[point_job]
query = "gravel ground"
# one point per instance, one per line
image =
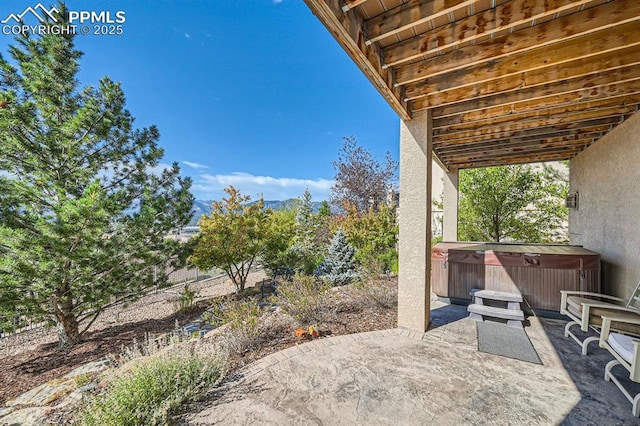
(31, 358)
(153, 306)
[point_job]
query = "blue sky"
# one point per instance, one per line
(254, 93)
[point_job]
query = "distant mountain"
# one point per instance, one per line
(200, 207)
(290, 203)
(204, 207)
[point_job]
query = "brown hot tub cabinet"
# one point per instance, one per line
(538, 272)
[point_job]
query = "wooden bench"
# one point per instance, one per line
(512, 313)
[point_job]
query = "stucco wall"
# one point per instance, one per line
(414, 218)
(607, 177)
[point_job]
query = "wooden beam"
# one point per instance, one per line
(525, 159)
(479, 27)
(347, 30)
(439, 162)
(350, 4)
(515, 125)
(409, 15)
(594, 133)
(514, 104)
(491, 155)
(589, 126)
(615, 76)
(508, 147)
(506, 113)
(459, 87)
(537, 57)
(478, 119)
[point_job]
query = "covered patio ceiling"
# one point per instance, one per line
(507, 81)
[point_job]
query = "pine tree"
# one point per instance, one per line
(340, 265)
(305, 222)
(304, 247)
(84, 211)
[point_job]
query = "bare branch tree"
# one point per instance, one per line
(360, 179)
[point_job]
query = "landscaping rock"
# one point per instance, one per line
(206, 328)
(5, 411)
(192, 327)
(91, 367)
(74, 398)
(26, 416)
(217, 331)
(45, 393)
(86, 388)
(37, 400)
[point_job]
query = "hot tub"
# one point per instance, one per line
(537, 271)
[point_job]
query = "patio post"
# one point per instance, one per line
(450, 211)
(414, 281)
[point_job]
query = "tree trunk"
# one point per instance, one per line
(68, 335)
(66, 325)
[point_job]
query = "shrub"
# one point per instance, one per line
(184, 302)
(155, 387)
(244, 321)
(378, 286)
(148, 347)
(382, 292)
(384, 263)
(339, 266)
(373, 233)
(305, 298)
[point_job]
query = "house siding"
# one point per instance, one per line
(607, 177)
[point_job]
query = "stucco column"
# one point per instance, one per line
(450, 211)
(414, 280)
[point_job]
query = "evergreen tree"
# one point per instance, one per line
(323, 229)
(84, 210)
(325, 210)
(374, 235)
(340, 264)
(304, 247)
(305, 222)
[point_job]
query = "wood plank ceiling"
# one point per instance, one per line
(507, 81)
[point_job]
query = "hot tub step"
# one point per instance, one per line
(497, 295)
(492, 311)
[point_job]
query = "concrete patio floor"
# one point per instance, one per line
(394, 377)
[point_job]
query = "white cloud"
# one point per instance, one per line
(157, 170)
(195, 165)
(277, 1)
(207, 186)
(187, 35)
